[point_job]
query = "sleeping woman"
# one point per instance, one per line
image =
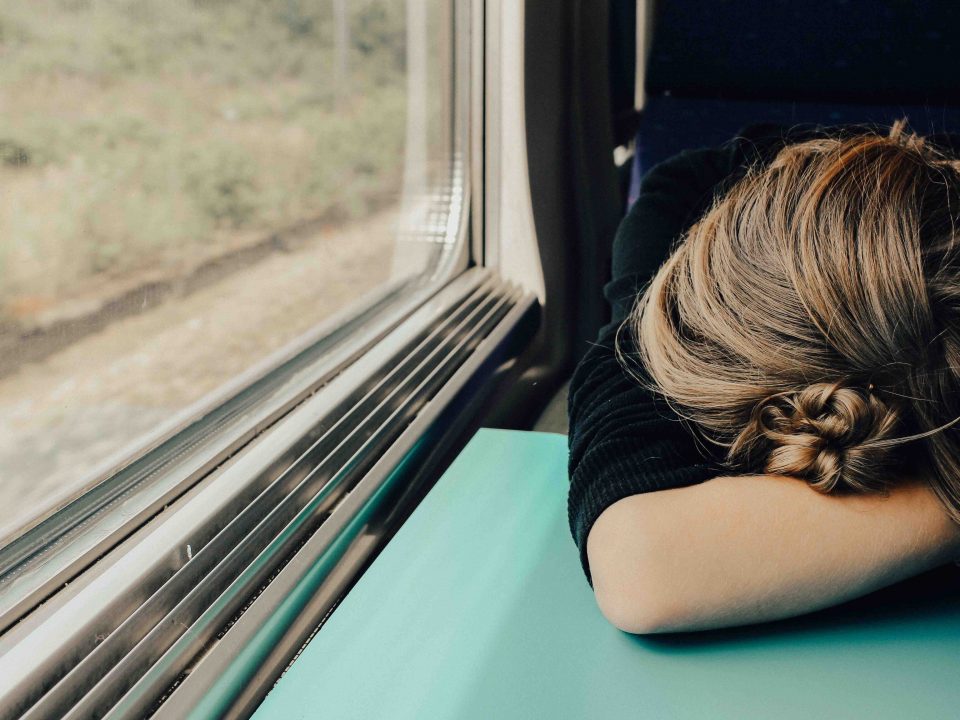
(770, 424)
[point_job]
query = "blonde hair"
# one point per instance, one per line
(809, 322)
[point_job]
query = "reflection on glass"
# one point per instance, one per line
(188, 185)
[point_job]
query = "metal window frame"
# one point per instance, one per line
(233, 680)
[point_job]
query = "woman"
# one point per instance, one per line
(766, 427)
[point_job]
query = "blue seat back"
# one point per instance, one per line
(717, 66)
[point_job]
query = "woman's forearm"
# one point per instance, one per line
(737, 550)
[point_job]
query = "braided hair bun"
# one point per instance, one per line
(834, 436)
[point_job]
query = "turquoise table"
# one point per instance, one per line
(477, 608)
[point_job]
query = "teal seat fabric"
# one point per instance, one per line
(477, 608)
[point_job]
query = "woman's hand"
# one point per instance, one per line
(747, 549)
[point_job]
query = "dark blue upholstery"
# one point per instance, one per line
(716, 66)
(863, 51)
(669, 125)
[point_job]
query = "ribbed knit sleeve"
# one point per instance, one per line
(625, 440)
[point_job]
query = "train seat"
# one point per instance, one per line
(669, 124)
(715, 67)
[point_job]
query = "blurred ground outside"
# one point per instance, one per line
(139, 134)
(62, 415)
(187, 185)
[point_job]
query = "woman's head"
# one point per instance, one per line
(810, 321)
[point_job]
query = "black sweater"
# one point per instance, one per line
(625, 440)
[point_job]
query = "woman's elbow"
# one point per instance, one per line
(632, 586)
(639, 614)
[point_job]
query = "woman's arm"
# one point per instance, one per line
(747, 549)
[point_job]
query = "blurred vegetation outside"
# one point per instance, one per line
(142, 135)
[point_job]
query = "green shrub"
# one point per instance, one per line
(150, 131)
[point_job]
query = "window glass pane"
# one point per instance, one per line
(188, 185)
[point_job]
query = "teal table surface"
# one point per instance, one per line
(478, 608)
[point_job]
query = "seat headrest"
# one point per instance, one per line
(867, 51)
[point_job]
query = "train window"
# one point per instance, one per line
(190, 187)
(247, 312)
